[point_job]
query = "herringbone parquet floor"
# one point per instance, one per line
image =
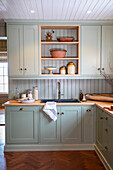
(53, 160)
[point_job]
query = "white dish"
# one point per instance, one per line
(26, 101)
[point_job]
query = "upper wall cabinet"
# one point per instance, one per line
(90, 50)
(107, 49)
(23, 50)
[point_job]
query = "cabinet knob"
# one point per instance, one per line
(106, 130)
(102, 68)
(106, 118)
(88, 110)
(101, 118)
(21, 108)
(106, 147)
(62, 113)
(98, 69)
(25, 68)
(20, 68)
(57, 113)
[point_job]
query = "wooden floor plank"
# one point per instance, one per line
(53, 160)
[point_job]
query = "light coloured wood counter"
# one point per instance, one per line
(38, 103)
(88, 102)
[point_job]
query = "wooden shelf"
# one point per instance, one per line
(71, 27)
(59, 43)
(59, 58)
(58, 74)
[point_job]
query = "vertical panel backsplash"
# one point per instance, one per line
(69, 88)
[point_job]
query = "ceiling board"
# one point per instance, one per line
(57, 9)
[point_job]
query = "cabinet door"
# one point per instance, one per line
(107, 49)
(90, 50)
(15, 50)
(88, 124)
(49, 130)
(100, 130)
(109, 146)
(30, 50)
(70, 124)
(22, 125)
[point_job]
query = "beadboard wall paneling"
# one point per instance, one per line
(48, 89)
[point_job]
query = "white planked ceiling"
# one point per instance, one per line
(57, 9)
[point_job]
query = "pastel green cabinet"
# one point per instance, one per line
(23, 50)
(71, 124)
(67, 128)
(90, 62)
(15, 50)
(100, 129)
(49, 130)
(104, 135)
(22, 124)
(88, 124)
(107, 49)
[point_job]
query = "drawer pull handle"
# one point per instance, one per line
(102, 68)
(21, 108)
(88, 110)
(106, 130)
(25, 69)
(101, 118)
(58, 113)
(106, 147)
(106, 118)
(98, 68)
(20, 68)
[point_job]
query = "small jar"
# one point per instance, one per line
(23, 95)
(63, 70)
(112, 107)
(30, 94)
(35, 93)
(71, 68)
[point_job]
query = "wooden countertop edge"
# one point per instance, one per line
(99, 104)
(38, 103)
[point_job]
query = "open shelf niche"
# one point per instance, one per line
(72, 55)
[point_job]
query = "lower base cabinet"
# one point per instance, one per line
(104, 135)
(22, 125)
(74, 125)
(30, 125)
(88, 124)
(67, 128)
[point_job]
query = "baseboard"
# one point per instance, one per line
(39, 147)
(102, 158)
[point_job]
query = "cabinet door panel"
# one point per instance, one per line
(71, 124)
(107, 49)
(49, 130)
(109, 144)
(90, 50)
(88, 124)
(15, 50)
(22, 125)
(31, 50)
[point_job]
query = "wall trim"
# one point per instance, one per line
(102, 158)
(40, 147)
(36, 21)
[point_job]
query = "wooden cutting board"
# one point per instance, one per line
(100, 97)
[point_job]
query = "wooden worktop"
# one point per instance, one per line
(88, 102)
